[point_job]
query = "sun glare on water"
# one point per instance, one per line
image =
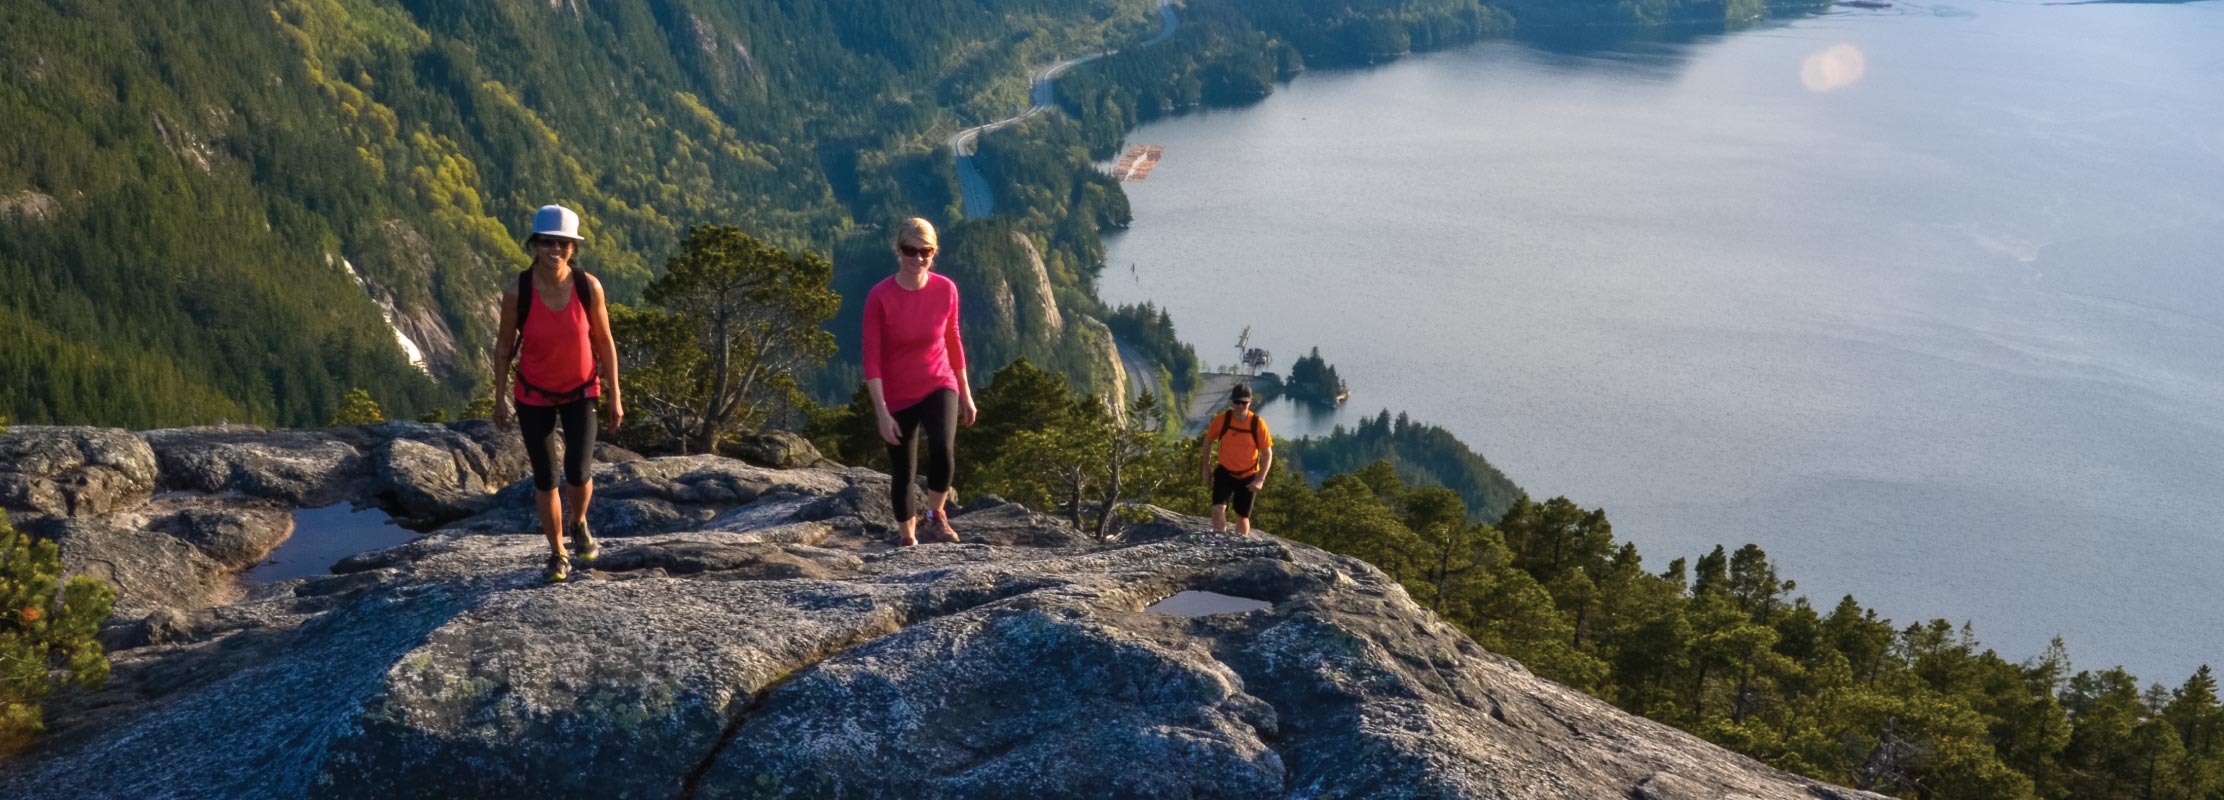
(1835, 67)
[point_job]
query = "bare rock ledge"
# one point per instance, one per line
(748, 634)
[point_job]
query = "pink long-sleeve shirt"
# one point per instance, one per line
(911, 340)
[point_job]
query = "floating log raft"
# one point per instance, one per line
(1136, 164)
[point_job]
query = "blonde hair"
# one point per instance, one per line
(916, 229)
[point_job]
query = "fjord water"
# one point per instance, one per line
(1927, 302)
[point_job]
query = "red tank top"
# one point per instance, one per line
(554, 353)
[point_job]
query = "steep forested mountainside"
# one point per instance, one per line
(196, 199)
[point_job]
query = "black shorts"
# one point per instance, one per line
(1227, 487)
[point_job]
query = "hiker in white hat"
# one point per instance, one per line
(555, 324)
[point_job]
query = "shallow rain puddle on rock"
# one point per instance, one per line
(1198, 604)
(323, 536)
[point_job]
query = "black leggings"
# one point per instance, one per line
(938, 414)
(539, 425)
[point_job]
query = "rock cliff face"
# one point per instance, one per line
(749, 633)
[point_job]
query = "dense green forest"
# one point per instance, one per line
(189, 192)
(1150, 330)
(1426, 455)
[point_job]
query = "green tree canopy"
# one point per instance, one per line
(736, 321)
(47, 631)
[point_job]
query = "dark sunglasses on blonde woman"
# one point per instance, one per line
(916, 252)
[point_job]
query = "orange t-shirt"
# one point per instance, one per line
(1239, 452)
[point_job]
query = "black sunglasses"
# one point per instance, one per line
(915, 252)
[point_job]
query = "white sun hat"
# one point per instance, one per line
(557, 221)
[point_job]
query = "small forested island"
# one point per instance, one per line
(1312, 380)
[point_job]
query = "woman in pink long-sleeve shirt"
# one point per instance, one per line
(915, 369)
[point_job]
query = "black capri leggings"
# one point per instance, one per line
(938, 414)
(539, 426)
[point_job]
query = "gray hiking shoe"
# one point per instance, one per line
(559, 568)
(583, 545)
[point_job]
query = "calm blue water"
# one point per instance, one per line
(1200, 604)
(323, 536)
(1926, 302)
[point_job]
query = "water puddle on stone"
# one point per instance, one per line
(1198, 604)
(323, 536)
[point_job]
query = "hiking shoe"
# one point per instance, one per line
(583, 545)
(559, 568)
(938, 526)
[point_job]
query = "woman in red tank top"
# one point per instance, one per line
(555, 324)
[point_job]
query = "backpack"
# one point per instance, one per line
(581, 292)
(1228, 425)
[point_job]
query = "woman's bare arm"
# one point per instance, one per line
(606, 352)
(505, 349)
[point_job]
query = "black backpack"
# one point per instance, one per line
(581, 292)
(1228, 425)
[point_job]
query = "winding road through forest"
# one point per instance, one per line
(979, 200)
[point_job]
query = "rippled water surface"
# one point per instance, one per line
(1926, 301)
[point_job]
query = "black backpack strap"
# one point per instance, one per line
(581, 293)
(1228, 425)
(582, 288)
(524, 303)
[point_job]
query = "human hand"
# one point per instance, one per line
(967, 412)
(617, 415)
(1258, 483)
(501, 414)
(889, 432)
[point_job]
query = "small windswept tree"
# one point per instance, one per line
(46, 632)
(357, 408)
(1139, 458)
(735, 322)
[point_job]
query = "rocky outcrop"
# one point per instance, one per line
(748, 632)
(779, 450)
(1115, 369)
(228, 492)
(73, 471)
(1045, 307)
(305, 468)
(27, 204)
(396, 269)
(424, 473)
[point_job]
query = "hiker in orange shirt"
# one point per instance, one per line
(1246, 453)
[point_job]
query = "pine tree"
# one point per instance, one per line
(357, 408)
(738, 320)
(46, 632)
